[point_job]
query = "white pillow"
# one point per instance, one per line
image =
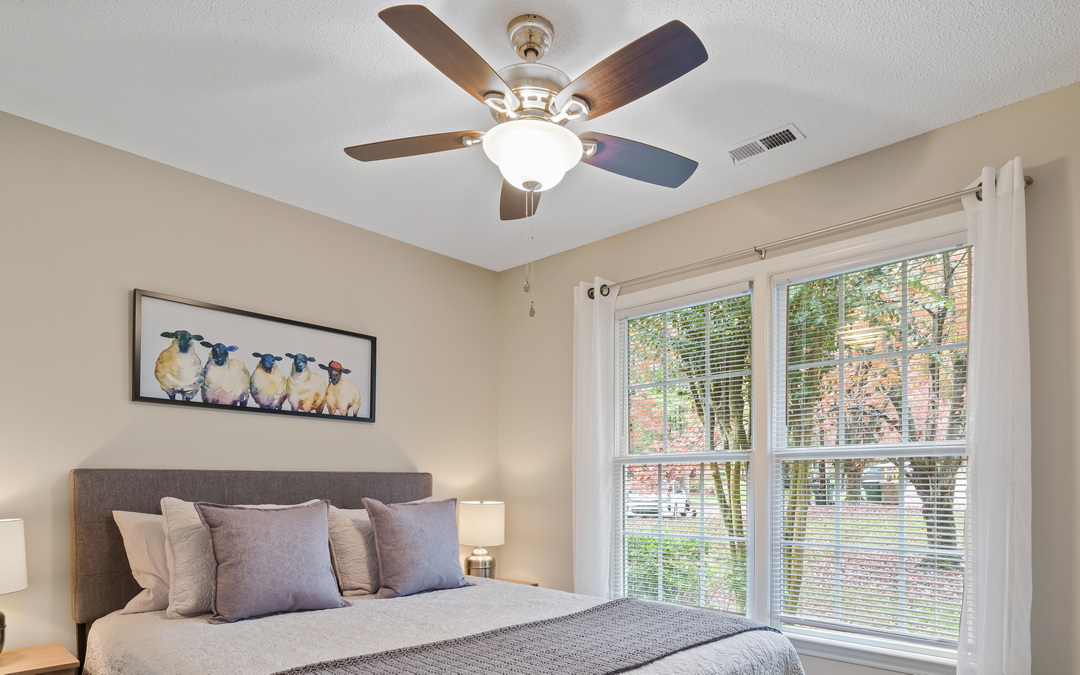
(144, 543)
(189, 555)
(352, 547)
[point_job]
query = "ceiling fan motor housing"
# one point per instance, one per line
(530, 36)
(536, 84)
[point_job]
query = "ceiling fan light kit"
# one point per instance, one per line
(531, 102)
(532, 152)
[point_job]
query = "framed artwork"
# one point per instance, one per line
(198, 354)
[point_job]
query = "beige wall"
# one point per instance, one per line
(535, 354)
(84, 224)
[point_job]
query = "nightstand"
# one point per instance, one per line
(37, 660)
(516, 581)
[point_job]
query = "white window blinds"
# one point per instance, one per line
(681, 471)
(869, 449)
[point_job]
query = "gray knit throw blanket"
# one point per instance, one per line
(610, 638)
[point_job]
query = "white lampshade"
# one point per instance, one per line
(480, 523)
(532, 152)
(12, 556)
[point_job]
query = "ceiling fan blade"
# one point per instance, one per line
(638, 161)
(445, 50)
(414, 145)
(515, 203)
(641, 67)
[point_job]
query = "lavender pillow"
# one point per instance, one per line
(417, 546)
(270, 560)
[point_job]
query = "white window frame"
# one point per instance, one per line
(907, 241)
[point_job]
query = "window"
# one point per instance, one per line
(682, 524)
(841, 514)
(869, 453)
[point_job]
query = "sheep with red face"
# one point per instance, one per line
(342, 396)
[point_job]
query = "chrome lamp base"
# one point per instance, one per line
(480, 564)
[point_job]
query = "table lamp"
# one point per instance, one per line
(480, 524)
(12, 562)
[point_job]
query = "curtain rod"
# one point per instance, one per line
(763, 249)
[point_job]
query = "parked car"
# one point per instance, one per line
(673, 503)
(879, 483)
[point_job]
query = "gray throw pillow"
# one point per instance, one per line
(270, 560)
(417, 546)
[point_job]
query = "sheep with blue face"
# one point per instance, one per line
(342, 396)
(178, 368)
(269, 388)
(225, 380)
(307, 391)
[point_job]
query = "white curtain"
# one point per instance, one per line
(995, 635)
(594, 435)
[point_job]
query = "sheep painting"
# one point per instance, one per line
(269, 388)
(225, 381)
(342, 396)
(173, 364)
(307, 391)
(178, 368)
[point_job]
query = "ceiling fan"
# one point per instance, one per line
(532, 102)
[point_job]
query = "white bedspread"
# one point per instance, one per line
(150, 644)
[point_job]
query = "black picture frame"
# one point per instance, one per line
(192, 353)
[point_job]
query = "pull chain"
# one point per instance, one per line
(530, 268)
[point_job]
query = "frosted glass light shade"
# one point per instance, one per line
(481, 523)
(12, 556)
(532, 152)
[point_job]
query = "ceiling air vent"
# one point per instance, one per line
(773, 139)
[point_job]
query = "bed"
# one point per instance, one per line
(429, 626)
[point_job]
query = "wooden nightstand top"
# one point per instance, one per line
(51, 658)
(516, 581)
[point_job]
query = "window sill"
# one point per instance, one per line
(872, 656)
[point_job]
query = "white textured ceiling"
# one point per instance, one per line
(264, 94)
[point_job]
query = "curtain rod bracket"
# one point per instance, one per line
(761, 252)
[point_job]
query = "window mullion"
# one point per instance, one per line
(759, 563)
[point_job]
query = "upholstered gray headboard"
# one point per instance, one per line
(101, 580)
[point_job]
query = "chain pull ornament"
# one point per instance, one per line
(530, 191)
